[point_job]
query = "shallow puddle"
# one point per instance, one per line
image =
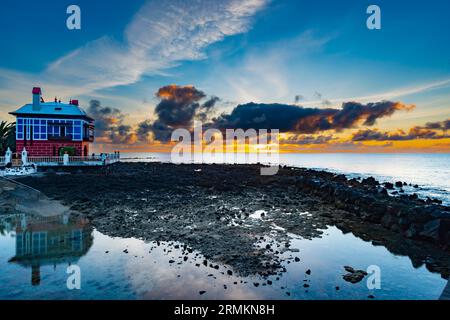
(35, 252)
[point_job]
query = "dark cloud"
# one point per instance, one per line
(178, 108)
(178, 105)
(443, 125)
(290, 118)
(109, 123)
(307, 139)
(143, 130)
(413, 134)
(206, 109)
(429, 131)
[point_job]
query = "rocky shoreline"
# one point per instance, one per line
(233, 215)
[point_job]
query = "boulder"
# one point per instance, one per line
(353, 276)
(389, 185)
(370, 181)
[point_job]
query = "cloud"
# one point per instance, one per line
(109, 123)
(264, 73)
(180, 105)
(301, 139)
(418, 132)
(290, 118)
(389, 95)
(161, 35)
(178, 108)
(443, 125)
(143, 130)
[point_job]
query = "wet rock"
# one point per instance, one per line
(388, 185)
(413, 196)
(349, 269)
(399, 184)
(353, 276)
(369, 181)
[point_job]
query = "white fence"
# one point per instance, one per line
(95, 160)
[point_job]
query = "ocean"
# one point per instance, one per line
(431, 172)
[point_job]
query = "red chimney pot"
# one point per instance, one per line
(36, 90)
(74, 102)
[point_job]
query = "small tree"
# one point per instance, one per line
(71, 151)
(7, 136)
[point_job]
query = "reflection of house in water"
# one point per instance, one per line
(50, 241)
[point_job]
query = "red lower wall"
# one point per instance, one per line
(45, 148)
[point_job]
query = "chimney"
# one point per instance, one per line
(74, 102)
(36, 98)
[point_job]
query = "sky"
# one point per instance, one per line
(310, 68)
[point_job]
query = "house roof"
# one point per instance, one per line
(53, 109)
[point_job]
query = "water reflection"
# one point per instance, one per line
(128, 268)
(446, 292)
(49, 240)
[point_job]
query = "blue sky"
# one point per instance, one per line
(240, 51)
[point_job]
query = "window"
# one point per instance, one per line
(77, 133)
(77, 240)
(39, 129)
(39, 242)
(19, 129)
